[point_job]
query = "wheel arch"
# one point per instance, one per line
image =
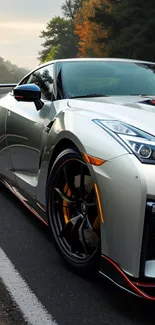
(59, 147)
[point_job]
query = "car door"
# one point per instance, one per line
(25, 130)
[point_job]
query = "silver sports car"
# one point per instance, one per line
(77, 147)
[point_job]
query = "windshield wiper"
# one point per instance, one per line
(89, 96)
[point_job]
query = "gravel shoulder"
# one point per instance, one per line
(9, 313)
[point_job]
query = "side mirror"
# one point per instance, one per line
(29, 93)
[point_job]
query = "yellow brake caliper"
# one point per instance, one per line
(66, 211)
(96, 224)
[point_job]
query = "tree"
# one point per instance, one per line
(131, 25)
(10, 73)
(60, 40)
(54, 52)
(70, 8)
(89, 30)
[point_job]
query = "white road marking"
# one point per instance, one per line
(32, 309)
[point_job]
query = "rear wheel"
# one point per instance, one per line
(73, 213)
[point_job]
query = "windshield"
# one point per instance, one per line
(107, 78)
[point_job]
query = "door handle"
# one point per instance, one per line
(9, 113)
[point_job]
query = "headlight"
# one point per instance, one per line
(141, 143)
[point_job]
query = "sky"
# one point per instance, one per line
(20, 25)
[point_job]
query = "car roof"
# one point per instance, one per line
(94, 59)
(85, 60)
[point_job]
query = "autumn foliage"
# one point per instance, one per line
(91, 34)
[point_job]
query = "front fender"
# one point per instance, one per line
(88, 137)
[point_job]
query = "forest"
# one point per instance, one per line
(101, 28)
(10, 73)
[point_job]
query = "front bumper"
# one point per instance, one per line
(143, 289)
(128, 231)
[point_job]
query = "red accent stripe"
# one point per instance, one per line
(34, 212)
(141, 284)
(130, 283)
(27, 206)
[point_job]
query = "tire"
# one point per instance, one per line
(73, 213)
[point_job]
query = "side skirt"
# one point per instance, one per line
(35, 207)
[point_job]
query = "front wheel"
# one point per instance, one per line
(73, 213)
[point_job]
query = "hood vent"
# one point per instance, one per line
(148, 102)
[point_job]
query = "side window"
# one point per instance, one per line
(24, 81)
(43, 77)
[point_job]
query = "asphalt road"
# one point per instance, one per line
(67, 297)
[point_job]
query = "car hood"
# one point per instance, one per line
(138, 111)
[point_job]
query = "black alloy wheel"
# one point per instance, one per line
(73, 213)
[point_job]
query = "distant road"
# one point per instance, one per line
(4, 91)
